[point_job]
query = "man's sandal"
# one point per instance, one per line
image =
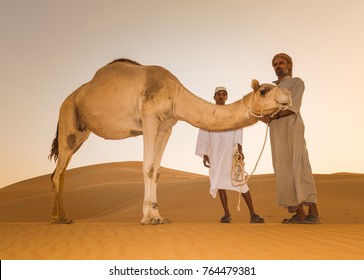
(256, 219)
(225, 219)
(313, 220)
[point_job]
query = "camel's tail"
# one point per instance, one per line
(54, 148)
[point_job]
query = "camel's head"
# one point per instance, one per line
(267, 99)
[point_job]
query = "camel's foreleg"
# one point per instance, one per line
(161, 143)
(154, 144)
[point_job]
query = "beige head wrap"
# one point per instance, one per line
(288, 59)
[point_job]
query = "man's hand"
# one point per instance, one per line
(240, 149)
(206, 161)
(266, 119)
(280, 114)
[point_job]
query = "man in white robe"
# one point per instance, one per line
(217, 148)
(295, 185)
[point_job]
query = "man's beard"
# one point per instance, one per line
(280, 72)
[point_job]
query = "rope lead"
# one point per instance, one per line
(237, 168)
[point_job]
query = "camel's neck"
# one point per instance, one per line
(205, 115)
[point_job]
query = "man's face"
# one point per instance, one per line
(220, 97)
(280, 66)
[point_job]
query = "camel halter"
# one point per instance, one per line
(261, 110)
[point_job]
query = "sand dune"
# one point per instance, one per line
(105, 201)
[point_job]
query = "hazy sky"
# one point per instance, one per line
(49, 48)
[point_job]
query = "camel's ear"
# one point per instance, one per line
(255, 85)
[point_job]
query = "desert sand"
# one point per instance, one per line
(105, 202)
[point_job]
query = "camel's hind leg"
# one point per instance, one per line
(70, 138)
(58, 211)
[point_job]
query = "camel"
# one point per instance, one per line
(126, 99)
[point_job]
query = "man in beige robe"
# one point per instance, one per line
(295, 185)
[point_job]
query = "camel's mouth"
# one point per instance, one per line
(283, 106)
(284, 102)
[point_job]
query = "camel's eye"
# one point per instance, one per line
(263, 92)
